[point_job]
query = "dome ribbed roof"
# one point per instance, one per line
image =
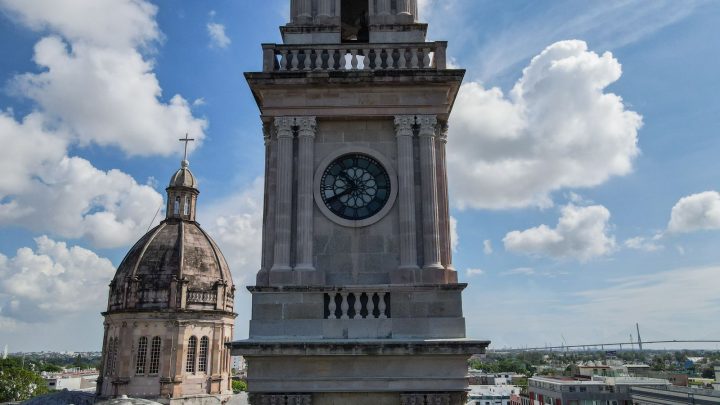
(175, 265)
(183, 177)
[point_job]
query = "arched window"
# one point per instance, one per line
(155, 355)
(191, 354)
(112, 355)
(176, 207)
(186, 208)
(141, 356)
(109, 356)
(203, 356)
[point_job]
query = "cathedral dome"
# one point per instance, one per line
(176, 265)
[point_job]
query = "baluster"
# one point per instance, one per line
(426, 58)
(283, 60)
(371, 304)
(306, 62)
(378, 58)
(357, 306)
(295, 59)
(332, 306)
(343, 61)
(390, 61)
(381, 305)
(413, 58)
(366, 59)
(318, 59)
(353, 59)
(331, 59)
(344, 306)
(402, 61)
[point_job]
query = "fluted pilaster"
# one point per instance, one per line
(406, 191)
(306, 139)
(268, 212)
(443, 201)
(283, 194)
(431, 225)
(383, 7)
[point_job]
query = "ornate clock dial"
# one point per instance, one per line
(355, 187)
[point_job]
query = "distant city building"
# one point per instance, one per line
(575, 391)
(590, 370)
(638, 370)
(238, 363)
(673, 396)
(717, 378)
(74, 381)
(491, 394)
(480, 378)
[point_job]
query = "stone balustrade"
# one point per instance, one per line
(354, 57)
(357, 305)
(201, 297)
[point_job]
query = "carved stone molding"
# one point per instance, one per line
(280, 399)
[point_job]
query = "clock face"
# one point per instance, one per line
(355, 187)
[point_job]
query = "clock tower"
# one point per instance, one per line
(356, 300)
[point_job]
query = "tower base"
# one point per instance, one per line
(358, 372)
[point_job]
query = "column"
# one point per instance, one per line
(305, 11)
(266, 255)
(403, 7)
(406, 191)
(431, 225)
(283, 192)
(443, 202)
(383, 7)
(306, 144)
(325, 8)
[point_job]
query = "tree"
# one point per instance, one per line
(239, 386)
(17, 384)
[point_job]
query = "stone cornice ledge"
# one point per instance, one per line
(351, 288)
(369, 347)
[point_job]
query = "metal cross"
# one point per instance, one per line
(186, 140)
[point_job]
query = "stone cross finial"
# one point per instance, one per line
(186, 140)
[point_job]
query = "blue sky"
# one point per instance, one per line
(583, 158)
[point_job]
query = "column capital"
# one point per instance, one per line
(308, 126)
(427, 123)
(442, 134)
(267, 132)
(404, 125)
(284, 125)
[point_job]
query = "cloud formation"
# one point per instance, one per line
(696, 212)
(235, 222)
(95, 83)
(36, 285)
(46, 191)
(581, 233)
(218, 38)
(556, 129)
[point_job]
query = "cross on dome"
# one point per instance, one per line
(187, 140)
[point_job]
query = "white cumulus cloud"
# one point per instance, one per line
(36, 285)
(581, 233)
(235, 222)
(696, 212)
(45, 190)
(474, 272)
(94, 82)
(218, 37)
(556, 129)
(487, 247)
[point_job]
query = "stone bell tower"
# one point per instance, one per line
(357, 300)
